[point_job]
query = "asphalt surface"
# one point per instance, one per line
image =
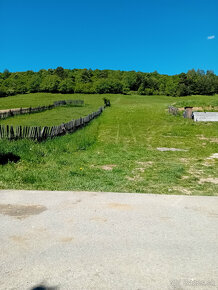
(88, 240)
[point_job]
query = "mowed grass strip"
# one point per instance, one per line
(118, 152)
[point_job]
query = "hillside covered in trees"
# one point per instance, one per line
(108, 81)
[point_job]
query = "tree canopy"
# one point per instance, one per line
(108, 81)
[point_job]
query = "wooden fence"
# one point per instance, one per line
(15, 112)
(43, 133)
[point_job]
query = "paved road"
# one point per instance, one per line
(87, 240)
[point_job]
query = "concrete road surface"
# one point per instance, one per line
(88, 240)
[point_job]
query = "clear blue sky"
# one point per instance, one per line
(170, 36)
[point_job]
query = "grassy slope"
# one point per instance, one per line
(126, 135)
(38, 99)
(52, 117)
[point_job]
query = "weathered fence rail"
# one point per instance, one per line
(20, 111)
(43, 133)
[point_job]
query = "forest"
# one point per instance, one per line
(88, 81)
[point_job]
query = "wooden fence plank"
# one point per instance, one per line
(38, 133)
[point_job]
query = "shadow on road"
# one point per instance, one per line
(43, 287)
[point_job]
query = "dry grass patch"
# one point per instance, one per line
(209, 179)
(213, 156)
(108, 167)
(211, 139)
(136, 171)
(208, 108)
(134, 178)
(145, 164)
(186, 160)
(185, 177)
(182, 190)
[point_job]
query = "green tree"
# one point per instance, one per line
(109, 86)
(50, 84)
(6, 74)
(85, 88)
(59, 71)
(66, 86)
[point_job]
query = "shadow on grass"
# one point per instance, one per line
(8, 157)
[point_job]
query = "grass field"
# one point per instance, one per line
(52, 117)
(118, 150)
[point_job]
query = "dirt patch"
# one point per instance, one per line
(8, 110)
(170, 149)
(120, 206)
(210, 179)
(8, 157)
(21, 211)
(182, 190)
(108, 167)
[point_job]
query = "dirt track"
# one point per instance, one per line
(7, 110)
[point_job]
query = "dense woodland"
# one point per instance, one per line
(108, 81)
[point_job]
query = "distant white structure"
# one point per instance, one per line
(205, 116)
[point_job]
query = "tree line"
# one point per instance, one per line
(88, 81)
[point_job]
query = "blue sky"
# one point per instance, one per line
(170, 36)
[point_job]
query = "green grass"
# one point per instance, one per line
(197, 101)
(52, 117)
(126, 136)
(40, 99)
